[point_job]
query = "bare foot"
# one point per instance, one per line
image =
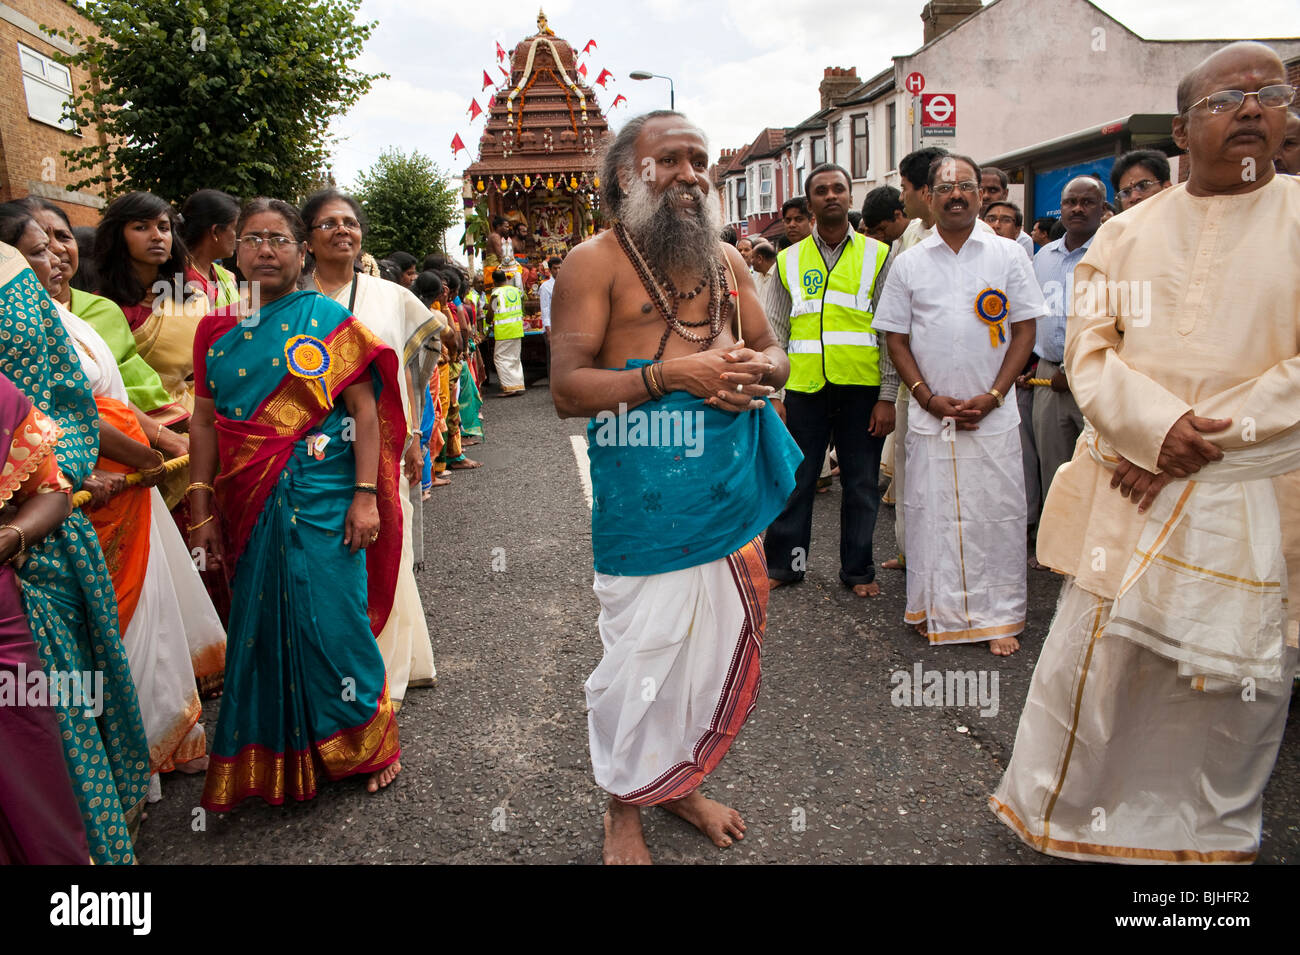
(894, 563)
(867, 590)
(464, 465)
(425, 495)
(197, 765)
(922, 628)
(470, 442)
(720, 823)
(1004, 646)
(439, 482)
(624, 840)
(382, 778)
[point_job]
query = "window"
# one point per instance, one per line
(48, 86)
(818, 150)
(860, 147)
(741, 211)
(891, 117)
(765, 187)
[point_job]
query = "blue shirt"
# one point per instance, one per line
(1054, 269)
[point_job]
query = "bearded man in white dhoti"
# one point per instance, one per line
(657, 334)
(1158, 704)
(959, 309)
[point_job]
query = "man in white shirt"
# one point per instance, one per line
(959, 309)
(544, 293)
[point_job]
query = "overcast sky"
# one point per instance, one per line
(738, 65)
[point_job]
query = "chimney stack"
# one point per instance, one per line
(940, 16)
(836, 82)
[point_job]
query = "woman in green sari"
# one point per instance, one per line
(295, 494)
(67, 591)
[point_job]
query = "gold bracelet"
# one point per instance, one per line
(22, 539)
(365, 486)
(919, 383)
(997, 396)
(158, 436)
(193, 527)
(200, 486)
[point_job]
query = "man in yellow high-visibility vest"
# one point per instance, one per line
(506, 308)
(841, 383)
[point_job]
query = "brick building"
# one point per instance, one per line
(32, 132)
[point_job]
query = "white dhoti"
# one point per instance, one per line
(1153, 720)
(1118, 759)
(680, 674)
(404, 642)
(510, 369)
(964, 501)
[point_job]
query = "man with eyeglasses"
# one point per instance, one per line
(995, 186)
(1161, 694)
(1139, 175)
(959, 308)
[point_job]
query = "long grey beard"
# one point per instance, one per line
(676, 244)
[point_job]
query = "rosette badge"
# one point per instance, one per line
(309, 358)
(991, 309)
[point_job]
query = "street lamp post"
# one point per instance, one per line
(646, 75)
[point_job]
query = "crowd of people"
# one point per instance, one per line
(221, 426)
(1122, 401)
(252, 421)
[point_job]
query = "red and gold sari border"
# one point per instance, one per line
(258, 770)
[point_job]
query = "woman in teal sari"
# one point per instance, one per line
(307, 523)
(67, 591)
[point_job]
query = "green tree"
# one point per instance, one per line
(409, 204)
(229, 94)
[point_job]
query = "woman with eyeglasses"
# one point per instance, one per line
(294, 494)
(169, 628)
(336, 228)
(67, 592)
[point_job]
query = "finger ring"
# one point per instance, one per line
(741, 388)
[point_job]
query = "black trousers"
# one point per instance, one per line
(841, 412)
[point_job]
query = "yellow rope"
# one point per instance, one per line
(82, 498)
(1039, 382)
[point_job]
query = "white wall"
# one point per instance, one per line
(1026, 71)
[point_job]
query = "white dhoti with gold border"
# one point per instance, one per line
(1153, 720)
(964, 503)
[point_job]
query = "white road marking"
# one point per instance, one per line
(584, 464)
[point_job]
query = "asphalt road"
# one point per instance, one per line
(495, 763)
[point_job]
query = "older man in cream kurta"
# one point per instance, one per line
(1159, 701)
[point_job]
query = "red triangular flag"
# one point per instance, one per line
(604, 75)
(591, 45)
(583, 70)
(487, 80)
(503, 72)
(620, 98)
(457, 145)
(501, 54)
(474, 110)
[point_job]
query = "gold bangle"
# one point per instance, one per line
(193, 527)
(200, 486)
(997, 396)
(366, 486)
(22, 539)
(158, 436)
(919, 383)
